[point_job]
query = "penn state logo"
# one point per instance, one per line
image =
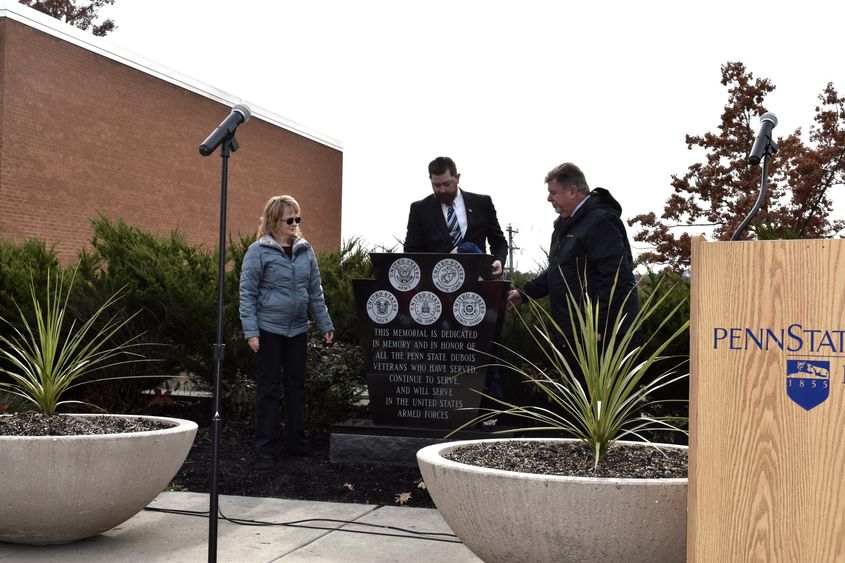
(382, 307)
(404, 274)
(425, 307)
(808, 382)
(469, 308)
(448, 275)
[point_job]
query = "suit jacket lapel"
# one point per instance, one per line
(472, 222)
(436, 211)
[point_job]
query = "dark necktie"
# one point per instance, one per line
(452, 224)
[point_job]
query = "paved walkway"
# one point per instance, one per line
(317, 531)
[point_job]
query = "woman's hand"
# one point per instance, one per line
(253, 343)
(328, 336)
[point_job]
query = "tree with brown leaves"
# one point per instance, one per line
(81, 16)
(720, 192)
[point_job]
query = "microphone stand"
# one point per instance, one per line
(771, 148)
(228, 146)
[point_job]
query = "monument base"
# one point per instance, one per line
(358, 441)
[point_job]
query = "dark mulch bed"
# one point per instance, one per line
(574, 459)
(33, 424)
(305, 478)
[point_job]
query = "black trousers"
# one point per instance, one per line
(280, 358)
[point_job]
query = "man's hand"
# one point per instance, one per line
(253, 343)
(496, 268)
(514, 299)
(328, 336)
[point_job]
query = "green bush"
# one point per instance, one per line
(172, 282)
(334, 382)
(678, 291)
(239, 357)
(21, 265)
(175, 284)
(337, 270)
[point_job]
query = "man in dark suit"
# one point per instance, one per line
(589, 253)
(472, 216)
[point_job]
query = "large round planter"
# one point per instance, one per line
(59, 489)
(510, 516)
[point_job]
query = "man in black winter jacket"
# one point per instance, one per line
(589, 243)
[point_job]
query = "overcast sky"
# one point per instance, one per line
(508, 89)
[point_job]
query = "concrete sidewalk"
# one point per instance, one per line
(362, 537)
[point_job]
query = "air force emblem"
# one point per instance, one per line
(808, 382)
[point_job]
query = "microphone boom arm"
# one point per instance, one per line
(771, 148)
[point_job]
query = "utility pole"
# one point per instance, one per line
(511, 248)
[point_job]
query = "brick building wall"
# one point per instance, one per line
(81, 132)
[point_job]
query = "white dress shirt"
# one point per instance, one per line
(460, 212)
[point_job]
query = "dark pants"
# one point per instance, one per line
(279, 357)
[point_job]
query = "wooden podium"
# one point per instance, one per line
(767, 402)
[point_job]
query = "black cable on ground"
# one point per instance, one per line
(300, 524)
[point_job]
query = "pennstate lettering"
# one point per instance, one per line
(794, 338)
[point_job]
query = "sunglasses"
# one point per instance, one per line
(292, 220)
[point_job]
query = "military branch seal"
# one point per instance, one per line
(404, 274)
(469, 308)
(448, 275)
(425, 307)
(382, 307)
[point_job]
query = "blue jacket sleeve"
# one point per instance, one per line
(316, 300)
(250, 281)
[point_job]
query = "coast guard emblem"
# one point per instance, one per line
(469, 308)
(808, 382)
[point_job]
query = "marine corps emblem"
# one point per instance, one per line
(448, 275)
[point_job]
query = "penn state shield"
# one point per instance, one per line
(808, 382)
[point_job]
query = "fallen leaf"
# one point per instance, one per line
(403, 498)
(420, 483)
(349, 486)
(162, 399)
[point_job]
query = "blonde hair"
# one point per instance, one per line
(273, 211)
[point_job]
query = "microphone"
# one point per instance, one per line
(240, 114)
(768, 121)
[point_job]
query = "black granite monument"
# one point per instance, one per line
(427, 322)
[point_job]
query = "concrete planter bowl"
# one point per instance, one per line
(509, 516)
(59, 489)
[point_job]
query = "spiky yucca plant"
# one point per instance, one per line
(44, 358)
(611, 400)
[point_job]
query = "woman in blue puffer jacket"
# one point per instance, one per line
(280, 284)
